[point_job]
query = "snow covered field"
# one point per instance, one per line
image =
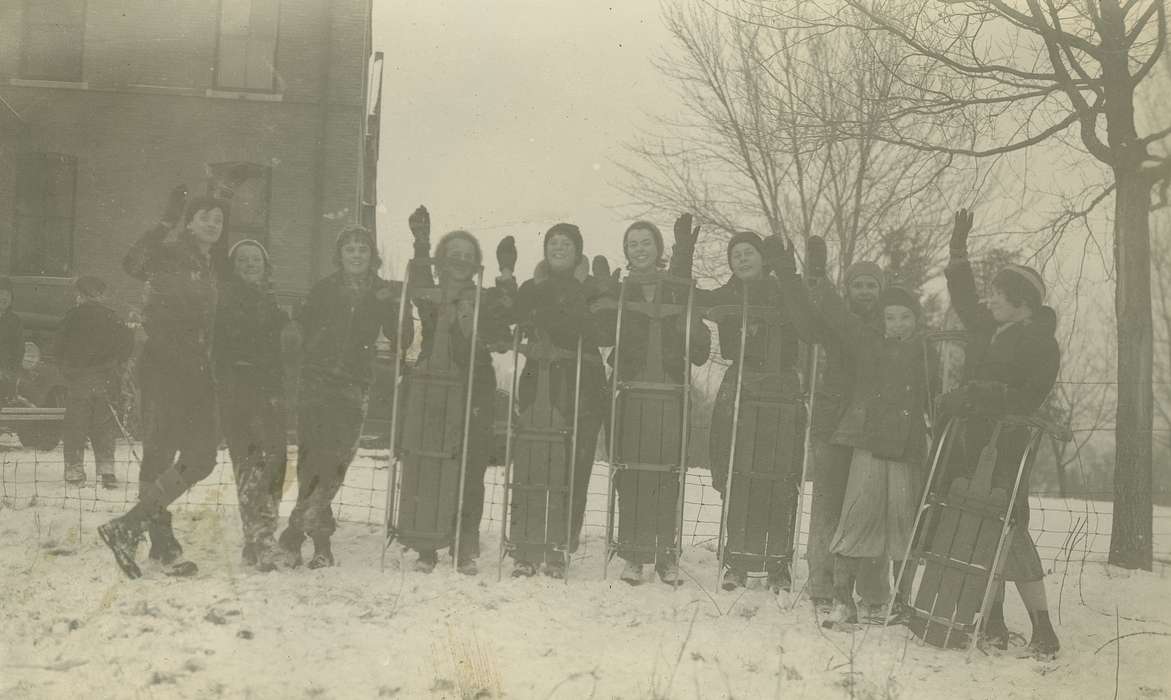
(73, 625)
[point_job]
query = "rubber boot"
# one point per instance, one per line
(1044, 643)
(322, 554)
(122, 535)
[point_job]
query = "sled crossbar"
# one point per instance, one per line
(955, 564)
(651, 386)
(32, 414)
(645, 467)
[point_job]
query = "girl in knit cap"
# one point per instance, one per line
(249, 370)
(555, 304)
(340, 321)
(883, 423)
(770, 375)
(1011, 363)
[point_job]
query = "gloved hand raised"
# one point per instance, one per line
(779, 257)
(506, 255)
(961, 227)
(420, 223)
(685, 235)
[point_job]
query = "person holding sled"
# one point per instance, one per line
(339, 322)
(1011, 364)
(883, 424)
(862, 283)
(770, 376)
(249, 371)
(458, 259)
(181, 266)
(650, 342)
(92, 346)
(555, 305)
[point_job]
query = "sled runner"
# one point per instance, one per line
(430, 418)
(961, 536)
(649, 415)
(758, 516)
(539, 449)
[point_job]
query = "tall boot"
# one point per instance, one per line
(322, 554)
(1044, 642)
(164, 548)
(290, 541)
(122, 535)
(995, 632)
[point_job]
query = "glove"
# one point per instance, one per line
(815, 256)
(606, 281)
(952, 404)
(779, 257)
(960, 229)
(685, 235)
(985, 397)
(506, 254)
(420, 223)
(176, 201)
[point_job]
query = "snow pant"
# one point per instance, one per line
(89, 415)
(179, 423)
(831, 471)
(329, 426)
(254, 421)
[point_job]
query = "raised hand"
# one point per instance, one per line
(601, 267)
(815, 257)
(684, 233)
(779, 257)
(506, 255)
(961, 227)
(420, 223)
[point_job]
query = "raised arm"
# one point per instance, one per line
(683, 253)
(961, 283)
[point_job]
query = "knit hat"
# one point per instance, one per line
(865, 268)
(900, 296)
(252, 242)
(354, 232)
(90, 286)
(1034, 286)
(745, 237)
(570, 231)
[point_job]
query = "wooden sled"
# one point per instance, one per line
(965, 531)
(766, 445)
(539, 464)
(649, 417)
(429, 433)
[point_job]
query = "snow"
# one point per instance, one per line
(72, 622)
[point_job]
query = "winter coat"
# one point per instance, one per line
(11, 342)
(247, 338)
(180, 298)
(340, 324)
(496, 313)
(93, 337)
(890, 393)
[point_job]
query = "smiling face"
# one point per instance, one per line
(900, 322)
(459, 258)
(1003, 310)
(863, 293)
(642, 253)
(207, 225)
(355, 256)
(248, 262)
(560, 252)
(746, 262)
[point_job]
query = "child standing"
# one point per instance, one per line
(92, 346)
(11, 343)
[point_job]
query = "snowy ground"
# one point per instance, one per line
(73, 625)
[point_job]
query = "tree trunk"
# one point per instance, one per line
(1130, 537)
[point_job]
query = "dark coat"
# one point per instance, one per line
(496, 313)
(890, 387)
(93, 337)
(247, 339)
(340, 324)
(11, 342)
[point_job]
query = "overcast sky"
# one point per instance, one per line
(506, 117)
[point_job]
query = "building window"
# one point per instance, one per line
(45, 187)
(246, 186)
(246, 56)
(54, 36)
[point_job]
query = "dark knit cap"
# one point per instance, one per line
(1033, 286)
(359, 233)
(900, 296)
(745, 237)
(91, 286)
(570, 231)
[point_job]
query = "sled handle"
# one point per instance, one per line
(504, 520)
(463, 460)
(610, 495)
(569, 509)
(735, 434)
(685, 430)
(392, 471)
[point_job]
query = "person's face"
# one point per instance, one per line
(459, 257)
(641, 252)
(900, 322)
(355, 257)
(863, 292)
(560, 252)
(5, 300)
(207, 225)
(1003, 310)
(746, 261)
(249, 264)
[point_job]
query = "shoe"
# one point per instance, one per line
(322, 554)
(669, 574)
(555, 569)
(823, 606)
(844, 614)
(467, 566)
(1044, 643)
(872, 614)
(631, 573)
(182, 569)
(780, 579)
(426, 562)
(248, 554)
(270, 556)
(290, 541)
(164, 548)
(121, 536)
(900, 614)
(109, 481)
(734, 579)
(524, 569)
(995, 634)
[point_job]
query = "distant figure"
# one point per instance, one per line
(92, 346)
(11, 343)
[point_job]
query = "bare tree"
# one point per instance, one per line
(761, 144)
(1026, 73)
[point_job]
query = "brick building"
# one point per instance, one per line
(106, 104)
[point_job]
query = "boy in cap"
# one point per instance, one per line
(92, 345)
